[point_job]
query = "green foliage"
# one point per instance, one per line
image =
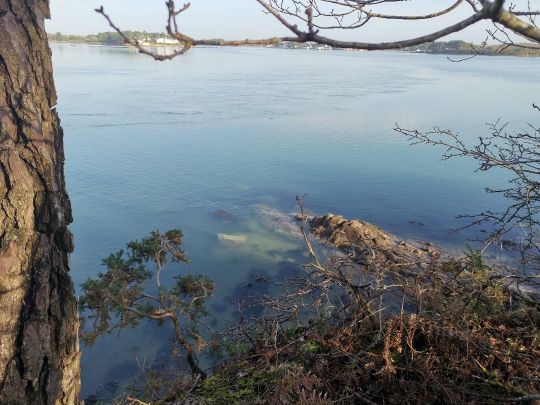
(474, 260)
(159, 247)
(217, 390)
(72, 38)
(192, 286)
(110, 38)
(478, 293)
(312, 346)
(112, 292)
(122, 297)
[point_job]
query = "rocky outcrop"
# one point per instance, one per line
(368, 244)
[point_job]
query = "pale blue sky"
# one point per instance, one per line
(235, 19)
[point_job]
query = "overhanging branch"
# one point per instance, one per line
(486, 10)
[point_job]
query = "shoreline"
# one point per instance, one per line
(416, 52)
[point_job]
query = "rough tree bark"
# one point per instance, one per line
(39, 350)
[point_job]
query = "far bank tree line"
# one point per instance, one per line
(456, 47)
(110, 38)
(467, 48)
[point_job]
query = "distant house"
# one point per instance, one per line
(166, 41)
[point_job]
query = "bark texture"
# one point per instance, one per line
(39, 350)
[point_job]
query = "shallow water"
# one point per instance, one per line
(161, 145)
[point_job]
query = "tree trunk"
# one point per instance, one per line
(39, 349)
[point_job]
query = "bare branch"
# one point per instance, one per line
(416, 17)
(518, 154)
(346, 14)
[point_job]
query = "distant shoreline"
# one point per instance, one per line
(464, 51)
(53, 41)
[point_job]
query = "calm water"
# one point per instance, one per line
(160, 145)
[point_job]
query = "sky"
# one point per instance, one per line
(239, 19)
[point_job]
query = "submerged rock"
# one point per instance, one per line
(232, 238)
(279, 221)
(222, 214)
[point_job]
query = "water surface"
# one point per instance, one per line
(161, 145)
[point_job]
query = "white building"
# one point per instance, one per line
(166, 41)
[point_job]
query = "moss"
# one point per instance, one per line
(238, 389)
(218, 390)
(312, 346)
